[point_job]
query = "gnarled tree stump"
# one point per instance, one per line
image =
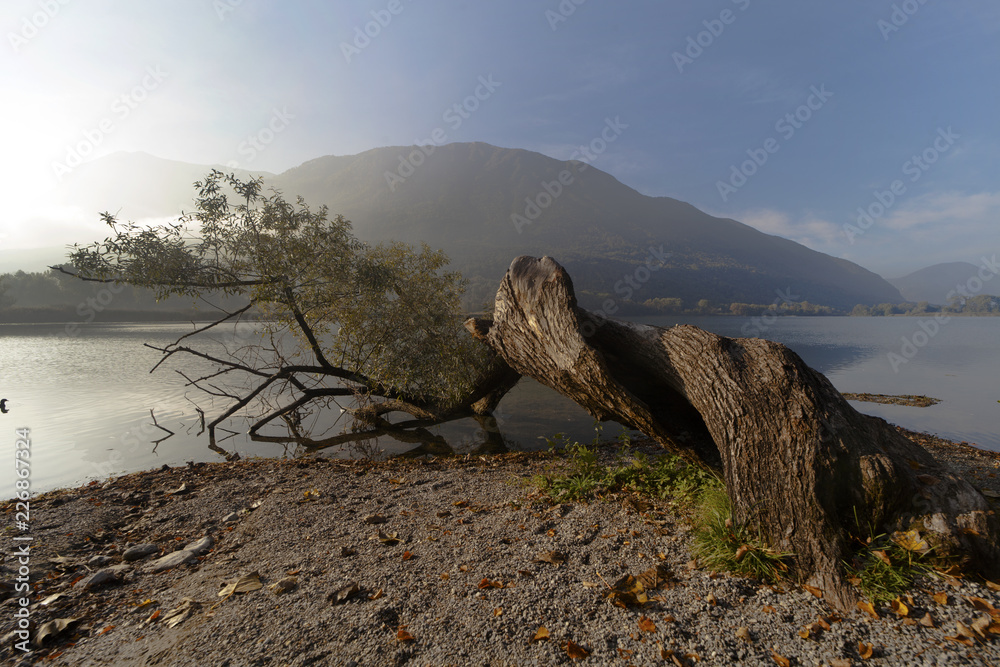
(798, 461)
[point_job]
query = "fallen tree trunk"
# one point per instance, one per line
(798, 461)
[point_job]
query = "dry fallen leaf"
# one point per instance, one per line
(927, 621)
(868, 608)
(981, 626)
(710, 599)
(992, 586)
(376, 595)
(245, 584)
(743, 632)
(403, 635)
(656, 577)
(768, 609)
(551, 557)
(283, 586)
(498, 612)
(964, 630)
(176, 616)
(388, 540)
(982, 605)
(840, 662)
(575, 651)
(486, 583)
(812, 589)
(941, 598)
(900, 608)
(344, 594)
(346, 551)
(646, 624)
(407, 555)
(627, 591)
(911, 541)
(541, 634)
(780, 660)
(741, 552)
(882, 556)
(865, 650)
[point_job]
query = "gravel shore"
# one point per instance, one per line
(427, 562)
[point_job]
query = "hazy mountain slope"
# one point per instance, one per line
(933, 283)
(462, 198)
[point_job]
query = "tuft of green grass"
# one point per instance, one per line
(723, 544)
(882, 570)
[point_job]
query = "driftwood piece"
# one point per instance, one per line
(798, 461)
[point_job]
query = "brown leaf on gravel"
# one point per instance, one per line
(656, 577)
(486, 583)
(812, 589)
(575, 651)
(444, 514)
(541, 634)
(498, 612)
(743, 632)
(627, 591)
(992, 586)
(981, 626)
(710, 599)
(927, 621)
(376, 595)
(960, 640)
(869, 609)
(964, 630)
(178, 615)
(983, 605)
(407, 555)
(344, 594)
(865, 650)
(461, 503)
(780, 660)
(941, 598)
(403, 635)
(388, 540)
(646, 624)
(900, 608)
(768, 609)
(245, 584)
(552, 557)
(284, 585)
(822, 623)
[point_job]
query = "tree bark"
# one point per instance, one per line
(798, 461)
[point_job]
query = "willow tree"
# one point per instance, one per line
(374, 328)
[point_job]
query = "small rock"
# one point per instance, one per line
(284, 585)
(373, 519)
(96, 579)
(200, 547)
(98, 561)
(140, 551)
(172, 560)
(743, 632)
(182, 489)
(231, 517)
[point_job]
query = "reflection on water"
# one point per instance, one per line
(87, 398)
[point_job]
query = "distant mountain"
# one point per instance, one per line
(934, 283)
(485, 205)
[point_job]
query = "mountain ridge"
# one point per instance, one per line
(484, 205)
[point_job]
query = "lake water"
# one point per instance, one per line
(87, 398)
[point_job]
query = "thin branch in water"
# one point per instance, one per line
(162, 428)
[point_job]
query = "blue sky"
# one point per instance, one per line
(701, 86)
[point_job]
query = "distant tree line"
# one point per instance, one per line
(50, 296)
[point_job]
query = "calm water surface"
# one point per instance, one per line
(87, 398)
